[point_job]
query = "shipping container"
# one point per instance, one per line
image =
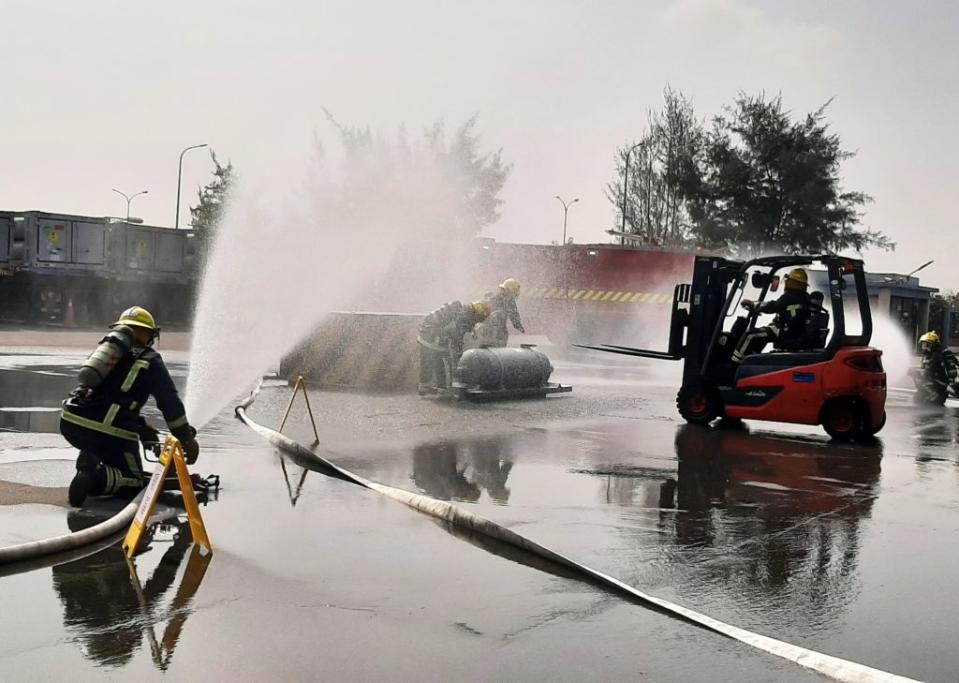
(66, 269)
(6, 237)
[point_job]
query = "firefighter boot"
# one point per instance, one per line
(90, 479)
(127, 480)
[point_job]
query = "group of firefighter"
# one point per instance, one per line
(801, 323)
(101, 417)
(937, 376)
(443, 332)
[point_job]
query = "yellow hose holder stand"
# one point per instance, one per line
(170, 456)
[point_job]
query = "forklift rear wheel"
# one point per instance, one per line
(843, 420)
(698, 404)
(872, 431)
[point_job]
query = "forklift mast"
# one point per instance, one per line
(707, 303)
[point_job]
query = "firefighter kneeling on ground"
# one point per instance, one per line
(938, 370)
(101, 417)
(441, 342)
(503, 308)
(791, 311)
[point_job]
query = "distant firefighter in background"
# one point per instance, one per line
(938, 371)
(441, 342)
(503, 308)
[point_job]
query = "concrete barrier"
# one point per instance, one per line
(359, 350)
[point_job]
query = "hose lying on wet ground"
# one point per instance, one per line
(32, 552)
(833, 667)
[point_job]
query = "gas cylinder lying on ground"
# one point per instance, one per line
(504, 372)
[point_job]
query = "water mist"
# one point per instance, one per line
(282, 261)
(897, 349)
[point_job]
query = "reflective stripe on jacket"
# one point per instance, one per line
(791, 311)
(114, 407)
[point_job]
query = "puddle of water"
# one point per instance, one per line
(779, 531)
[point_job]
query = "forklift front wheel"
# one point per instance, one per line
(698, 404)
(843, 420)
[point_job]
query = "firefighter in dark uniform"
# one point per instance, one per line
(503, 307)
(101, 417)
(441, 341)
(791, 311)
(938, 370)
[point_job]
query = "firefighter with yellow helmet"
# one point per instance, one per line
(441, 342)
(938, 371)
(791, 311)
(503, 308)
(101, 417)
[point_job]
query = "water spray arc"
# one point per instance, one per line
(283, 261)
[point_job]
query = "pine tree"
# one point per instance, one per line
(212, 197)
(758, 181)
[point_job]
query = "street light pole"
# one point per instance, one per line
(565, 265)
(927, 263)
(129, 198)
(565, 213)
(179, 178)
(622, 238)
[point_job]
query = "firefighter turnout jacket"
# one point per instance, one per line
(446, 326)
(113, 408)
(792, 311)
(504, 301)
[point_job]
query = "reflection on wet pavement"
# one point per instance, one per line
(833, 547)
(107, 609)
(462, 471)
(31, 388)
(935, 429)
(751, 511)
(30, 401)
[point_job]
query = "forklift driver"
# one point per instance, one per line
(791, 311)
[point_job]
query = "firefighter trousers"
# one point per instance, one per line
(436, 368)
(117, 460)
(755, 341)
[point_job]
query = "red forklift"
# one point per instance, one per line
(834, 378)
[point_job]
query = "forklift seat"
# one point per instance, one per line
(762, 363)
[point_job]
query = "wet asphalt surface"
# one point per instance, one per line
(847, 550)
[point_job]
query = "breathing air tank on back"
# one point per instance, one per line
(104, 358)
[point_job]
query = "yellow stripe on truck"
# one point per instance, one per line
(606, 295)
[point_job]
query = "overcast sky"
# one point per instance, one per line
(99, 94)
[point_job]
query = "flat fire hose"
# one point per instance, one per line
(833, 667)
(67, 547)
